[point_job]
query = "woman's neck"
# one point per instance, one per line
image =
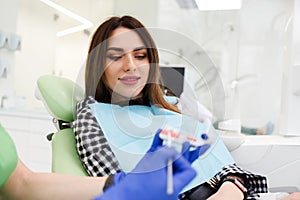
(121, 100)
(137, 100)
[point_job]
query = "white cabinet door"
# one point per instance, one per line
(29, 130)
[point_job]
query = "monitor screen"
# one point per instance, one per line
(173, 79)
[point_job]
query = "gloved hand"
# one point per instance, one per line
(190, 155)
(187, 153)
(8, 156)
(148, 180)
(142, 182)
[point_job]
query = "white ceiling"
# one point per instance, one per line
(91, 10)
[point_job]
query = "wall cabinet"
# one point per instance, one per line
(29, 129)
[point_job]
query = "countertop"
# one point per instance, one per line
(36, 113)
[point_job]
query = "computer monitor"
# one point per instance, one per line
(173, 78)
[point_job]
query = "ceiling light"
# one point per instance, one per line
(219, 4)
(205, 5)
(85, 24)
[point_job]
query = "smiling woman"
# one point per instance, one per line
(125, 104)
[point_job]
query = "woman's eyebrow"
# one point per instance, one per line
(122, 50)
(115, 49)
(139, 48)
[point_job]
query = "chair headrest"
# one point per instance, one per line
(60, 96)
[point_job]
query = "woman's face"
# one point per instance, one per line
(127, 64)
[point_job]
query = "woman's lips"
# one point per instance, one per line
(129, 80)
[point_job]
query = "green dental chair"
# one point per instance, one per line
(60, 96)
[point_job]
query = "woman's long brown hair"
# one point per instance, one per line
(94, 80)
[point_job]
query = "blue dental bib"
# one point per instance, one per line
(130, 130)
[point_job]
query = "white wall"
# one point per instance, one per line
(263, 44)
(44, 53)
(145, 11)
(253, 40)
(37, 56)
(71, 50)
(8, 24)
(290, 110)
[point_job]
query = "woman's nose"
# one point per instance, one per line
(129, 64)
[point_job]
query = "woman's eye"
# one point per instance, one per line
(114, 57)
(141, 56)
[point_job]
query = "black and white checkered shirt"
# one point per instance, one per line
(94, 151)
(254, 183)
(99, 160)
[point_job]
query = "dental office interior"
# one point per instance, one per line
(241, 62)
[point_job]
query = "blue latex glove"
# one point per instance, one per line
(192, 155)
(148, 180)
(187, 153)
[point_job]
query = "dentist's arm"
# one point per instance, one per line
(19, 182)
(25, 184)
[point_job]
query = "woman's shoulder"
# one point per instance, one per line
(85, 102)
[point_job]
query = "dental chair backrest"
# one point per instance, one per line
(60, 95)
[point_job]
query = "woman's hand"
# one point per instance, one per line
(293, 196)
(228, 191)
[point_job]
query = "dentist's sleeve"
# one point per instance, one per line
(8, 156)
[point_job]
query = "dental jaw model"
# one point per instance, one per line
(170, 136)
(179, 137)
